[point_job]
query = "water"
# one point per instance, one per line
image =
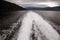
(42, 29)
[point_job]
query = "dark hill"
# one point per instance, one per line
(46, 8)
(7, 6)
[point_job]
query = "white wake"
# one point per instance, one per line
(44, 27)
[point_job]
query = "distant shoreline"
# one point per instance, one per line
(46, 8)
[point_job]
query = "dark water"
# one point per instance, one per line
(8, 18)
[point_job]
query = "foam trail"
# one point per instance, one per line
(25, 30)
(45, 28)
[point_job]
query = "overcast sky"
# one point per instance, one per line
(33, 0)
(21, 3)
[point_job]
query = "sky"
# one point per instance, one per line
(36, 3)
(33, 0)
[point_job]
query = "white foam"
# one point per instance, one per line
(42, 25)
